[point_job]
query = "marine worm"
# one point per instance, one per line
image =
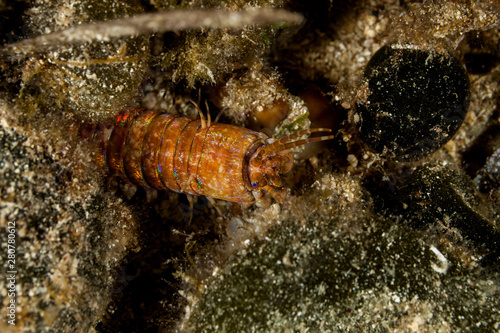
(162, 151)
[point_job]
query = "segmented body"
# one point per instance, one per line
(164, 151)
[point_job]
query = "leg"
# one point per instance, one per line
(202, 117)
(191, 204)
(187, 184)
(261, 199)
(209, 123)
(212, 201)
(218, 115)
(278, 195)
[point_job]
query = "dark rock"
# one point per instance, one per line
(339, 270)
(416, 100)
(437, 196)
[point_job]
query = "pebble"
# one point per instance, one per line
(415, 102)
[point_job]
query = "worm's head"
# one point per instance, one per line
(271, 161)
(268, 167)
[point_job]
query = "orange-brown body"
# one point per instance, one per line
(182, 154)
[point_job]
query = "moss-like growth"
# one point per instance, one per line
(204, 58)
(258, 99)
(92, 80)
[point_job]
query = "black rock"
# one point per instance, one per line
(417, 99)
(436, 196)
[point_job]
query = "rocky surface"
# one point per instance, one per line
(367, 243)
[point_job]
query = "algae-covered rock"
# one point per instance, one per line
(439, 197)
(341, 269)
(64, 235)
(92, 80)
